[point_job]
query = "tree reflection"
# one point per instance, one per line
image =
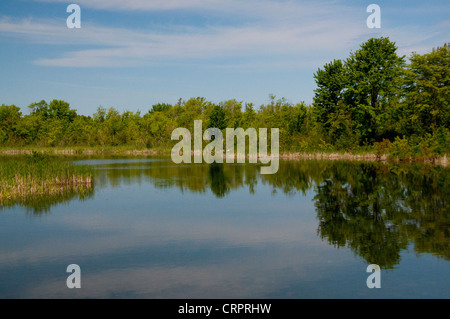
(376, 210)
(218, 180)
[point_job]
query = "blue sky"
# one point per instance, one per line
(132, 54)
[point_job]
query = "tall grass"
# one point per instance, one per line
(39, 175)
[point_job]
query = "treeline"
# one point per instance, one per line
(375, 98)
(373, 101)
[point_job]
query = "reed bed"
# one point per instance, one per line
(40, 175)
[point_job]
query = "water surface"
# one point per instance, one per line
(154, 229)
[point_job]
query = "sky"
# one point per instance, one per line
(133, 54)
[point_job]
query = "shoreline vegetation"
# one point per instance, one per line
(38, 175)
(374, 106)
(129, 151)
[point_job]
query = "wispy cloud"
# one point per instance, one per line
(276, 30)
(122, 5)
(125, 47)
(272, 8)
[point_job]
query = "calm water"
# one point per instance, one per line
(154, 229)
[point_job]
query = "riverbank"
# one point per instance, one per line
(441, 160)
(129, 151)
(110, 150)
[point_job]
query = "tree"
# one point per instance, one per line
(60, 110)
(296, 116)
(331, 83)
(374, 76)
(100, 115)
(249, 116)
(39, 108)
(113, 125)
(161, 126)
(9, 117)
(192, 109)
(217, 118)
(160, 107)
(233, 113)
(364, 92)
(427, 100)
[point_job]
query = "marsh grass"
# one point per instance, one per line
(31, 176)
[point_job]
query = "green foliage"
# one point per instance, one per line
(37, 176)
(60, 110)
(217, 118)
(232, 111)
(355, 101)
(428, 95)
(426, 146)
(330, 85)
(374, 98)
(375, 79)
(372, 101)
(160, 107)
(9, 117)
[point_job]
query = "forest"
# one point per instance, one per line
(375, 101)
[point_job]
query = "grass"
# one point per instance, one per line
(37, 175)
(399, 150)
(85, 150)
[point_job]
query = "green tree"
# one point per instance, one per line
(161, 125)
(60, 110)
(217, 118)
(160, 107)
(39, 108)
(233, 113)
(9, 116)
(80, 131)
(193, 109)
(113, 125)
(331, 82)
(100, 115)
(427, 101)
(249, 116)
(374, 85)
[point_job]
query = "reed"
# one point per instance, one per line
(39, 175)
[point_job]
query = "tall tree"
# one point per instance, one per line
(331, 83)
(375, 76)
(428, 97)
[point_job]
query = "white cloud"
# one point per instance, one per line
(124, 47)
(122, 5)
(267, 8)
(269, 30)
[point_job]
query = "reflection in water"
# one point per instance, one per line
(218, 180)
(40, 204)
(377, 210)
